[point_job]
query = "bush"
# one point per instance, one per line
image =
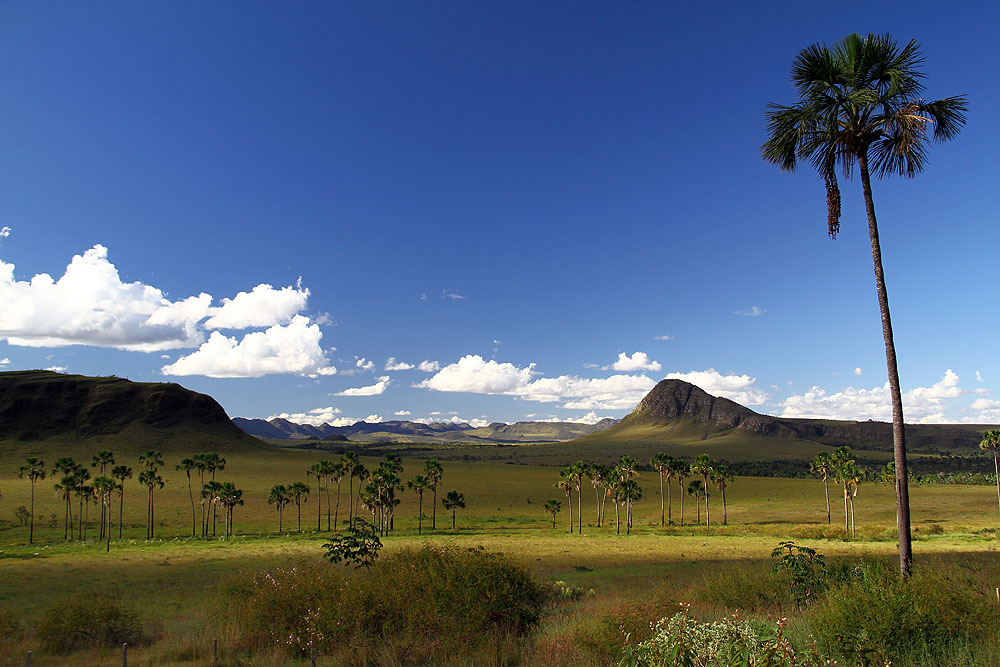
(875, 615)
(746, 589)
(412, 606)
(88, 621)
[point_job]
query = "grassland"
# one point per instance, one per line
(173, 581)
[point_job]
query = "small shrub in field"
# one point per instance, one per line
(804, 570)
(682, 640)
(875, 615)
(411, 606)
(88, 621)
(563, 592)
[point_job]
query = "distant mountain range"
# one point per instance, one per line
(409, 431)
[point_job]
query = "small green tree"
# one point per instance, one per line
(359, 546)
(805, 569)
(553, 507)
(453, 501)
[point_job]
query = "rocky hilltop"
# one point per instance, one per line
(677, 411)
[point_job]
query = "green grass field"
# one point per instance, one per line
(173, 580)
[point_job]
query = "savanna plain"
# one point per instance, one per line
(593, 596)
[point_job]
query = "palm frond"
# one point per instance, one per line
(948, 115)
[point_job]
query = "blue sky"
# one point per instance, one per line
(550, 206)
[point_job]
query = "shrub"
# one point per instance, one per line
(682, 640)
(411, 606)
(875, 615)
(88, 621)
(746, 589)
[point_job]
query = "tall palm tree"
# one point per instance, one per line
(201, 465)
(350, 461)
(565, 484)
(599, 475)
(681, 470)
(150, 480)
(152, 459)
(704, 465)
(279, 497)
(630, 492)
(991, 440)
(65, 467)
(104, 486)
(721, 476)
(316, 470)
(299, 492)
(419, 483)
(453, 501)
(822, 465)
(210, 494)
(121, 473)
(697, 490)
(860, 100)
(661, 464)
(79, 479)
(337, 472)
(34, 470)
(102, 460)
(842, 472)
(578, 471)
(230, 497)
(434, 472)
(327, 470)
(187, 465)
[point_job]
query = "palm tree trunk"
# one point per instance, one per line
(670, 505)
(597, 495)
(661, 500)
(570, 497)
(847, 513)
(350, 501)
(996, 467)
(853, 531)
(420, 513)
(898, 432)
(618, 520)
(298, 505)
(121, 509)
(191, 496)
(680, 484)
(434, 510)
(725, 511)
(336, 512)
(708, 513)
(826, 487)
(579, 508)
(453, 518)
(328, 528)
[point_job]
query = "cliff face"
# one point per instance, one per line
(41, 404)
(671, 400)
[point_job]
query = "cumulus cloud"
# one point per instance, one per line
(262, 306)
(371, 390)
(857, 370)
(473, 374)
(473, 422)
(4, 232)
(56, 369)
(453, 296)
(402, 413)
(90, 305)
(589, 418)
(5, 362)
(373, 419)
(920, 404)
(364, 364)
(392, 365)
(639, 361)
(429, 366)
(663, 337)
(752, 311)
(291, 348)
(985, 411)
(739, 388)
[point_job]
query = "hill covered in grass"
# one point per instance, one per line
(678, 413)
(43, 409)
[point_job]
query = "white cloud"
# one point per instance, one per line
(920, 404)
(752, 311)
(364, 364)
(639, 361)
(454, 296)
(429, 366)
(371, 390)
(857, 370)
(263, 306)
(317, 417)
(474, 422)
(402, 413)
(90, 305)
(373, 419)
(987, 411)
(663, 337)
(56, 369)
(291, 348)
(392, 365)
(473, 374)
(5, 232)
(739, 388)
(5, 362)
(979, 377)
(589, 418)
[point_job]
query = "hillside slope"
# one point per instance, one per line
(39, 408)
